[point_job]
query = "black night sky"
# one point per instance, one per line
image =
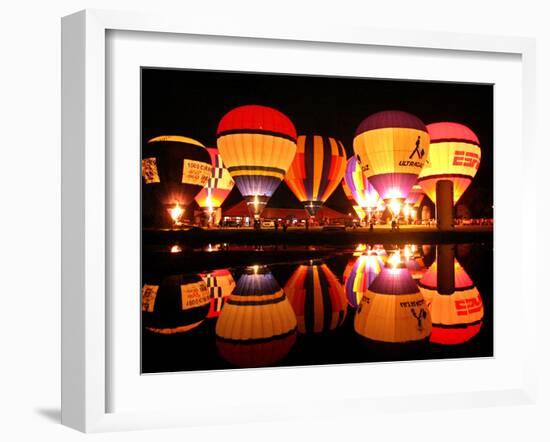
(191, 103)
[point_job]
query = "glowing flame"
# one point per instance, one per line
(175, 249)
(176, 213)
(395, 207)
(255, 268)
(406, 210)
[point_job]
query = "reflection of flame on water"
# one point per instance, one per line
(175, 249)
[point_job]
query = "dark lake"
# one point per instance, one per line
(225, 306)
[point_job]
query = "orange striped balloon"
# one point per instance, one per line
(316, 171)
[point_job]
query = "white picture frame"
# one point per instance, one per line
(86, 351)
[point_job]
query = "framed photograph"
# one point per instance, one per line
(252, 214)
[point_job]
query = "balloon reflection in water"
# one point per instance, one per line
(364, 271)
(257, 326)
(317, 298)
(175, 304)
(393, 309)
(220, 284)
(457, 316)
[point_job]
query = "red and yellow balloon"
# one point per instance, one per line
(257, 144)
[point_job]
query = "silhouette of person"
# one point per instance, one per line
(417, 149)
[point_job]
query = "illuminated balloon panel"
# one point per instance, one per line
(220, 284)
(454, 155)
(257, 144)
(358, 184)
(174, 304)
(395, 146)
(316, 171)
(393, 310)
(457, 317)
(317, 298)
(257, 325)
(219, 184)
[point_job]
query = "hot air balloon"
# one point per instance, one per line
(257, 144)
(457, 317)
(316, 171)
(317, 298)
(454, 155)
(393, 310)
(358, 184)
(395, 146)
(257, 325)
(174, 170)
(364, 271)
(220, 284)
(174, 304)
(218, 185)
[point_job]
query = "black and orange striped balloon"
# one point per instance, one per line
(317, 297)
(316, 171)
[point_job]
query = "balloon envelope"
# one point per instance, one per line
(218, 186)
(395, 145)
(257, 144)
(454, 155)
(316, 170)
